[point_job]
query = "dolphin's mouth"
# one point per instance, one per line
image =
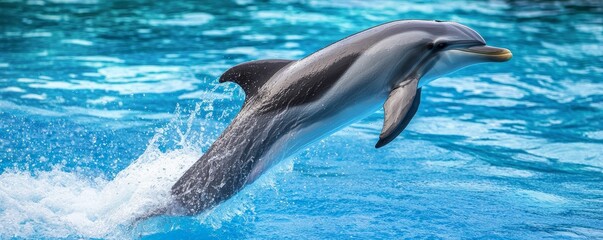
(493, 54)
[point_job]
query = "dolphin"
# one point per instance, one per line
(291, 103)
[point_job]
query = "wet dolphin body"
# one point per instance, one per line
(292, 103)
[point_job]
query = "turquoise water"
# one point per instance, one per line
(103, 105)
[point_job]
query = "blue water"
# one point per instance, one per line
(103, 104)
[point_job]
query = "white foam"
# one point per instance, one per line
(72, 204)
(61, 204)
(58, 203)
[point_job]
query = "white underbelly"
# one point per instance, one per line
(325, 127)
(296, 139)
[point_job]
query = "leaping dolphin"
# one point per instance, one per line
(292, 103)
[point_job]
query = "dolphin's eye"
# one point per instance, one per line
(430, 46)
(441, 45)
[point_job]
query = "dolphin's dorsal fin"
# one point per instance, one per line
(252, 75)
(400, 107)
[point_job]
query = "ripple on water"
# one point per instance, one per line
(37, 34)
(102, 100)
(73, 1)
(505, 172)
(123, 89)
(183, 20)
(542, 197)
(490, 144)
(34, 96)
(280, 17)
(13, 89)
(596, 135)
(36, 111)
(227, 31)
(80, 42)
(480, 87)
(477, 186)
(129, 80)
(141, 73)
(581, 153)
(101, 59)
(253, 52)
(204, 94)
(449, 126)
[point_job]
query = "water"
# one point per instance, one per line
(103, 104)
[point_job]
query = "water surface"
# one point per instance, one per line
(103, 104)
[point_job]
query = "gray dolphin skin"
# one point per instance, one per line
(292, 103)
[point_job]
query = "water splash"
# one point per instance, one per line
(60, 203)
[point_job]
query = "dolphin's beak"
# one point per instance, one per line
(490, 54)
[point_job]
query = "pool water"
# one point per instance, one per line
(104, 104)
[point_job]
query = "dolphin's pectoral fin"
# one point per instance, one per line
(252, 75)
(400, 108)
